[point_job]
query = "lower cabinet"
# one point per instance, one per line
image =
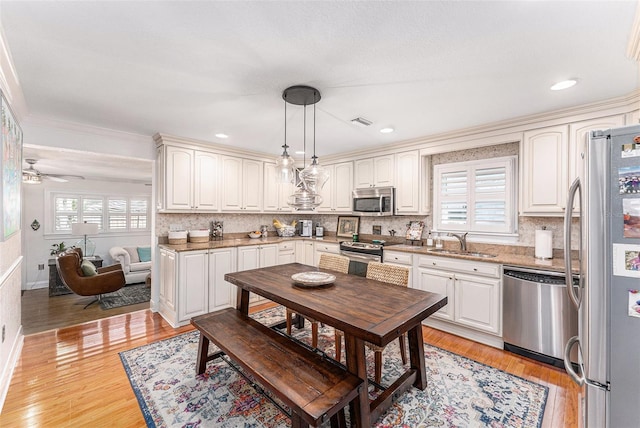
(286, 252)
(401, 259)
(192, 283)
(257, 256)
(324, 247)
(474, 293)
(305, 252)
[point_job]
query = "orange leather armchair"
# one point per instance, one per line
(107, 280)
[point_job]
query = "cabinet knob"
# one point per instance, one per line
(433, 263)
(475, 269)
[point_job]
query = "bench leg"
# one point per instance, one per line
(203, 351)
(297, 421)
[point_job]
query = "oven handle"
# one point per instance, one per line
(361, 257)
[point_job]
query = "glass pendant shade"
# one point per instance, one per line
(304, 200)
(314, 177)
(285, 168)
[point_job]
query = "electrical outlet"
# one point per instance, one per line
(40, 266)
(3, 328)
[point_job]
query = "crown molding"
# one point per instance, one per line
(160, 139)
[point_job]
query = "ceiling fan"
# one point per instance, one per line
(33, 176)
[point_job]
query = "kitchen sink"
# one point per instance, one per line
(462, 253)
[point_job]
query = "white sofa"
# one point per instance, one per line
(134, 270)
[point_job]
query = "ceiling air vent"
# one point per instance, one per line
(361, 121)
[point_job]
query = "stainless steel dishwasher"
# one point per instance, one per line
(538, 317)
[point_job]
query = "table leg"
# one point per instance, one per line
(242, 303)
(203, 351)
(357, 364)
(416, 355)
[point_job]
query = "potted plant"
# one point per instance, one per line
(58, 248)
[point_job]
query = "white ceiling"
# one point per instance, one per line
(194, 69)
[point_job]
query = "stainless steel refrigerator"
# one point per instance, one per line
(607, 195)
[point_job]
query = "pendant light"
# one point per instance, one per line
(285, 165)
(312, 177)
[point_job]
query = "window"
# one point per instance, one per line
(111, 213)
(476, 196)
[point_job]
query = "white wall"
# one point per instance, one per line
(38, 244)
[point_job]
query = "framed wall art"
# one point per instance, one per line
(11, 162)
(347, 226)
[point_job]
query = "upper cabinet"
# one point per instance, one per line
(275, 193)
(337, 191)
(550, 161)
(241, 184)
(190, 179)
(412, 183)
(374, 172)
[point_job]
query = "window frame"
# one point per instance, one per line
(471, 197)
(51, 212)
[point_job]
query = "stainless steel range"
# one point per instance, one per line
(360, 254)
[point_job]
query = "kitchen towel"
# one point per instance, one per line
(544, 244)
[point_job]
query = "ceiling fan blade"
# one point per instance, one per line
(65, 176)
(54, 178)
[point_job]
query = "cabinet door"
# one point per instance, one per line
(544, 172)
(383, 170)
(193, 283)
(160, 177)
(168, 281)
(248, 258)
(440, 282)
(305, 253)
(222, 294)
(363, 176)
(206, 181)
(252, 185)
(275, 194)
(408, 182)
(179, 178)
(231, 190)
(268, 255)
(478, 303)
(327, 204)
(342, 187)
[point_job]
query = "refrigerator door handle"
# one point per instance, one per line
(575, 292)
(577, 378)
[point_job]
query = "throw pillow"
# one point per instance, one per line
(88, 268)
(144, 253)
(133, 254)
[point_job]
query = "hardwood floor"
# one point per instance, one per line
(73, 376)
(41, 312)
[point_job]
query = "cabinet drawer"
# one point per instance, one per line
(399, 258)
(328, 248)
(466, 266)
(286, 246)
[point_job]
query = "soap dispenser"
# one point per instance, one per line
(438, 241)
(429, 240)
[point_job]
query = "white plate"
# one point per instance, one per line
(313, 278)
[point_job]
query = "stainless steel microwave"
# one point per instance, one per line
(374, 201)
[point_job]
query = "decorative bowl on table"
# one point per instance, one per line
(254, 235)
(312, 279)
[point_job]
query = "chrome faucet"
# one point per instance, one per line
(462, 238)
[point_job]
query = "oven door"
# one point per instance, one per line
(358, 261)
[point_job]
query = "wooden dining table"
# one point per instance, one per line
(364, 309)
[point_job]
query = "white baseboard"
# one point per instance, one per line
(7, 370)
(36, 285)
(467, 333)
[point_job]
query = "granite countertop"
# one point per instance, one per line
(505, 254)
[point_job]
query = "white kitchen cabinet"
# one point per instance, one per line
(401, 259)
(374, 172)
(222, 294)
(257, 256)
(412, 184)
(275, 193)
(474, 295)
(193, 284)
(337, 191)
(324, 247)
(543, 187)
(305, 252)
(242, 184)
(190, 179)
(286, 252)
(168, 283)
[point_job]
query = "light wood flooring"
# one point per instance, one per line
(41, 312)
(73, 377)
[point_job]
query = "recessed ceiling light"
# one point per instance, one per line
(564, 84)
(387, 130)
(221, 135)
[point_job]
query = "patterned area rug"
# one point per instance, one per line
(128, 295)
(460, 392)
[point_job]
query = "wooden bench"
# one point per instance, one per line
(313, 388)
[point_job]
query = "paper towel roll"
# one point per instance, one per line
(544, 244)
